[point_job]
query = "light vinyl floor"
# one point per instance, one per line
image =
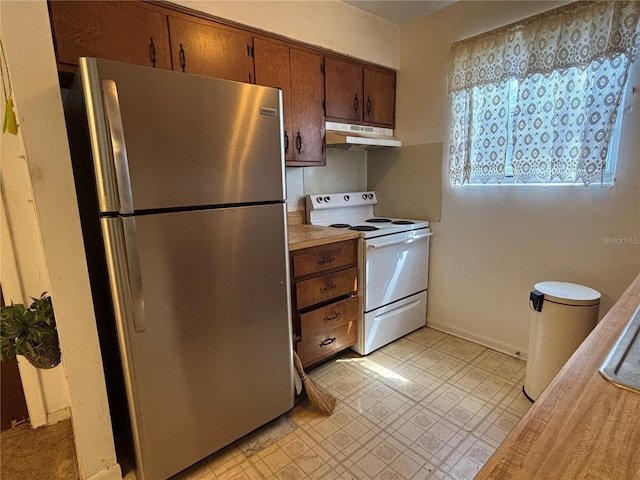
(427, 406)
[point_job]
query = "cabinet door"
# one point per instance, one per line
(343, 90)
(379, 97)
(307, 112)
(273, 70)
(209, 50)
(131, 32)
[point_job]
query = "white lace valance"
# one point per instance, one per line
(574, 35)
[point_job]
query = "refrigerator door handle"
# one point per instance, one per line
(123, 260)
(135, 274)
(118, 145)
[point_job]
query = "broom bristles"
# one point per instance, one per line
(318, 398)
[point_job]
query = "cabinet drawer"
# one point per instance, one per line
(333, 315)
(331, 256)
(325, 344)
(323, 288)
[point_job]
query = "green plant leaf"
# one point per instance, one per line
(24, 329)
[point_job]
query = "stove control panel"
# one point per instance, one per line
(338, 200)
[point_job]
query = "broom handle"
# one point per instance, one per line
(298, 364)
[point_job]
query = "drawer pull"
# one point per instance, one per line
(326, 260)
(335, 317)
(328, 287)
(328, 341)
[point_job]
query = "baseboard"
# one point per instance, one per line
(58, 415)
(112, 473)
(491, 343)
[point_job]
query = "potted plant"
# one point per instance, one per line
(30, 332)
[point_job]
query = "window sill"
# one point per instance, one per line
(608, 182)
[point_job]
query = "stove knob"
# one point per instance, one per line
(346, 198)
(327, 199)
(364, 196)
(370, 195)
(319, 199)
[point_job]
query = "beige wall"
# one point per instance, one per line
(493, 243)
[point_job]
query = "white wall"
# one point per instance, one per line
(494, 243)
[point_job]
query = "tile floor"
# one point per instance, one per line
(429, 405)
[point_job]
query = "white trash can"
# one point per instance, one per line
(563, 316)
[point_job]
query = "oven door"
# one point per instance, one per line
(395, 267)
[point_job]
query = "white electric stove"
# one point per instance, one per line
(393, 259)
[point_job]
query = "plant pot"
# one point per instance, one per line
(47, 356)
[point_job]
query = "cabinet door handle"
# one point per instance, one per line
(286, 142)
(183, 58)
(328, 287)
(328, 341)
(326, 260)
(368, 105)
(335, 317)
(299, 143)
(152, 52)
(356, 103)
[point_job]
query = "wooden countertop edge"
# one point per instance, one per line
(582, 426)
(305, 236)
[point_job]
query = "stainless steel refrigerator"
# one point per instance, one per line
(180, 183)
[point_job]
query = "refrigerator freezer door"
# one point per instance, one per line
(214, 361)
(186, 140)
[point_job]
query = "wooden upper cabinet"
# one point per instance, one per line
(298, 74)
(307, 98)
(204, 48)
(343, 90)
(379, 97)
(273, 69)
(359, 94)
(130, 32)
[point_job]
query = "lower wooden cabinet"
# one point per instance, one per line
(331, 341)
(325, 302)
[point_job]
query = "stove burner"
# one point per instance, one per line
(340, 225)
(403, 222)
(379, 220)
(363, 228)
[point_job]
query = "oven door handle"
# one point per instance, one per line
(397, 242)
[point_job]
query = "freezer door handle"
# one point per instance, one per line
(397, 242)
(123, 260)
(118, 145)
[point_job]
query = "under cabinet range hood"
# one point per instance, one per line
(346, 136)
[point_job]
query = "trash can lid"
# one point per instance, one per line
(568, 293)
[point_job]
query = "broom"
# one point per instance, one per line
(318, 399)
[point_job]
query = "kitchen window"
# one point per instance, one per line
(538, 101)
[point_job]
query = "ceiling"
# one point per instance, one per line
(399, 11)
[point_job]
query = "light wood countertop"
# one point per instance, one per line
(582, 426)
(304, 236)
